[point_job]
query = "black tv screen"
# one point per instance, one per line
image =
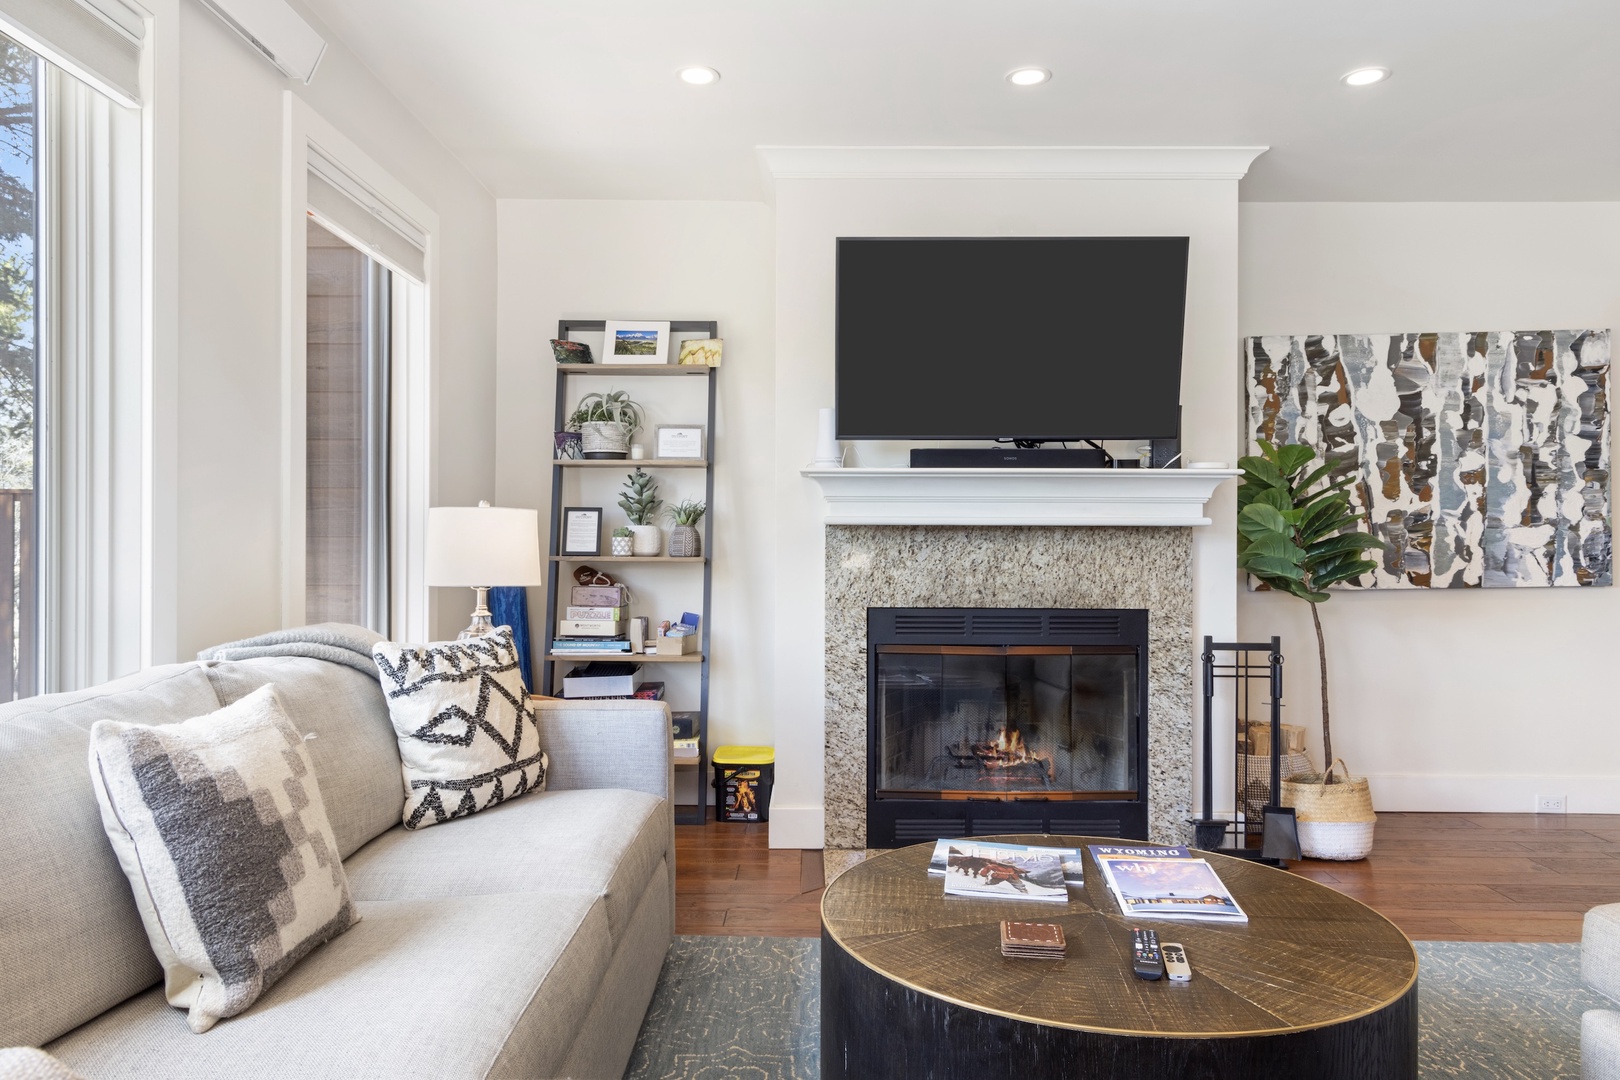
(1038, 338)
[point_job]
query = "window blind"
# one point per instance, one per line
(342, 202)
(96, 41)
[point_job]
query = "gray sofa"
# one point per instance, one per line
(523, 941)
(1600, 969)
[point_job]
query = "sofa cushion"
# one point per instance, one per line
(418, 988)
(71, 940)
(467, 736)
(605, 842)
(219, 825)
(355, 754)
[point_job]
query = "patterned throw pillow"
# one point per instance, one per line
(219, 825)
(468, 738)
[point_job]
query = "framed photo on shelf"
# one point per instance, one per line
(635, 342)
(679, 442)
(581, 530)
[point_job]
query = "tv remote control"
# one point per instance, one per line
(1146, 960)
(1175, 962)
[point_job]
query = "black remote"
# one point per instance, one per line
(1146, 960)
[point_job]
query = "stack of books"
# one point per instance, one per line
(595, 621)
(1165, 883)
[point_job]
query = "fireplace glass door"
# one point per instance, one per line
(1006, 722)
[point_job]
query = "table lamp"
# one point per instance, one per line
(479, 547)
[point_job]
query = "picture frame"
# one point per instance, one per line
(581, 532)
(700, 352)
(628, 342)
(678, 442)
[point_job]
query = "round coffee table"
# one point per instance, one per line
(913, 983)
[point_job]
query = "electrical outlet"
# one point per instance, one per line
(1550, 804)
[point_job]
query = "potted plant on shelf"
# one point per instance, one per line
(1298, 535)
(640, 502)
(621, 541)
(685, 541)
(606, 422)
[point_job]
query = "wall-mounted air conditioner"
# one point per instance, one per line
(277, 31)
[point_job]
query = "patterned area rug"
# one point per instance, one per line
(737, 1008)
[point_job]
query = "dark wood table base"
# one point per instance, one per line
(872, 1027)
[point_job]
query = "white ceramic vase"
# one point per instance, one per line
(646, 540)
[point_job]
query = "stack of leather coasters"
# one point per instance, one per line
(1032, 940)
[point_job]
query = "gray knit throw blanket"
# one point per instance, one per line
(340, 643)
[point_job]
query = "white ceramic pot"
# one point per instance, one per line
(646, 540)
(621, 545)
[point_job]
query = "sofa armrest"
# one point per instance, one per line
(1600, 950)
(607, 744)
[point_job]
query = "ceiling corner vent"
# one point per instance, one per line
(277, 31)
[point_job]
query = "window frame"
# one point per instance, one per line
(412, 409)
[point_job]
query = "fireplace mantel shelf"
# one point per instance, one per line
(1095, 497)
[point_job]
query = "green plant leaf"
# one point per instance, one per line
(1277, 545)
(1291, 459)
(1351, 568)
(1277, 498)
(1264, 518)
(1311, 478)
(1344, 542)
(1269, 566)
(1263, 472)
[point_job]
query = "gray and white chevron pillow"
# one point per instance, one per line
(219, 825)
(468, 738)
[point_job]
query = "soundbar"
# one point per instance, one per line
(1007, 457)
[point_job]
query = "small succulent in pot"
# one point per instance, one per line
(640, 503)
(621, 541)
(606, 422)
(685, 541)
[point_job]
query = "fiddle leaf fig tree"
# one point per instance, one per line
(1298, 537)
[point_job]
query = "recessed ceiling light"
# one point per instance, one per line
(699, 76)
(1029, 76)
(1365, 76)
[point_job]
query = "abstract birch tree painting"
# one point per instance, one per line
(1482, 459)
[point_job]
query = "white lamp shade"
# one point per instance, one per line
(479, 546)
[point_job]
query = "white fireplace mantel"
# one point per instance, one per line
(1102, 497)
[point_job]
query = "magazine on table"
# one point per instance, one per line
(1003, 871)
(1165, 883)
(1070, 857)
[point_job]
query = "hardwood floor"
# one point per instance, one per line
(1451, 877)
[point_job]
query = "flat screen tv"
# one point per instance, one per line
(1023, 338)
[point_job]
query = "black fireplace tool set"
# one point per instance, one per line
(1273, 835)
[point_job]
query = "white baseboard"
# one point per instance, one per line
(798, 827)
(1491, 794)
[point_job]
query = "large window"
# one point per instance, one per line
(346, 434)
(20, 78)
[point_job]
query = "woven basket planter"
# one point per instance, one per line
(1335, 820)
(685, 542)
(601, 439)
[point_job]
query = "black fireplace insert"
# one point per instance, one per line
(1005, 720)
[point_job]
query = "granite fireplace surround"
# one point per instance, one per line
(1034, 566)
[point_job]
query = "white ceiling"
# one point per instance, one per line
(1490, 99)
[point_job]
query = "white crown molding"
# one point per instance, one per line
(1008, 162)
(1097, 497)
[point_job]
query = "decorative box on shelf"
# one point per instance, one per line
(677, 646)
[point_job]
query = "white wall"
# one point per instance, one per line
(656, 260)
(810, 214)
(230, 292)
(1450, 700)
